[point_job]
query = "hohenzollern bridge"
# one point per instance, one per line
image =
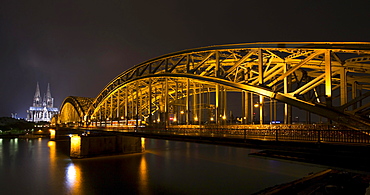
(236, 86)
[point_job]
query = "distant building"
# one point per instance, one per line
(42, 109)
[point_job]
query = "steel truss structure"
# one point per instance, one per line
(194, 86)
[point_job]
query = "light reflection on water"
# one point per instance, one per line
(73, 178)
(41, 166)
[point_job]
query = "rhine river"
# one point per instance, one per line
(40, 166)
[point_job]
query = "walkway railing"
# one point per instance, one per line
(321, 134)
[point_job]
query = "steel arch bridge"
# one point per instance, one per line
(196, 86)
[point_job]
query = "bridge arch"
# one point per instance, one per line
(74, 109)
(325, 78)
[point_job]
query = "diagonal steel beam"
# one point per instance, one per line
(243, 59)
(290, 71)
(202, 62)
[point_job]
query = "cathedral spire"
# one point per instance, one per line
(37, 97)
(49, 99)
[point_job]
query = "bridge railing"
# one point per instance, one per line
(320, 135)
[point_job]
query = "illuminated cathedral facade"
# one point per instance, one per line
(42, 109)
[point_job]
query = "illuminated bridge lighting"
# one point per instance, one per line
(198, 86)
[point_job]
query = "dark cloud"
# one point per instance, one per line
(79, 46)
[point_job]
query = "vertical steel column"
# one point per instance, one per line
(111, 108)
(252, 114)
(195, 108)
(137, 102)
(243, 107)
(126, 105)
(208, 103)
(166, 118)
(105, 113)
(176, 104)
(181, 101)
(187, 111)
(217, 104)
(328, 80)
(200, 103)
(150, 118)
(217, 94)
(260, 66)
(260, 81)
(133, 103)
(261, 102)
(287, 107)
(275, 110)
(118, 114)
(343, 86)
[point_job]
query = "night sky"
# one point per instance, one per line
(79, 46)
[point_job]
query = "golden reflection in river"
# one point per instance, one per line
(73, 178)
(143, 144)
(53, 159)
(143, 176)
(52, 151)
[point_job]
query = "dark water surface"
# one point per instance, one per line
(40, 166)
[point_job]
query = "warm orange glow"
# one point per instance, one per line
(75, 146)
(224, 117)
(182, 112)
(52, 134)
(143, 144)
(196, 118)
(143, 176)
(212, 119)
(256, 105)
(73, 178)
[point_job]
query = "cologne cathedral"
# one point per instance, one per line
(42, 109)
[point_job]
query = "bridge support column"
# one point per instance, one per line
(287, 88)
(328, 80)
(166, 116)
(195, 107)
(187, 103)
(217, 104)
(261, 106)
(85, 146)
(126, 105)
(150, 117)
(343, 86)
(245, 107)
(224, 105)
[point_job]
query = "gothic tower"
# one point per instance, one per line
(42, 109)
(37, 97)
(49, 99)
